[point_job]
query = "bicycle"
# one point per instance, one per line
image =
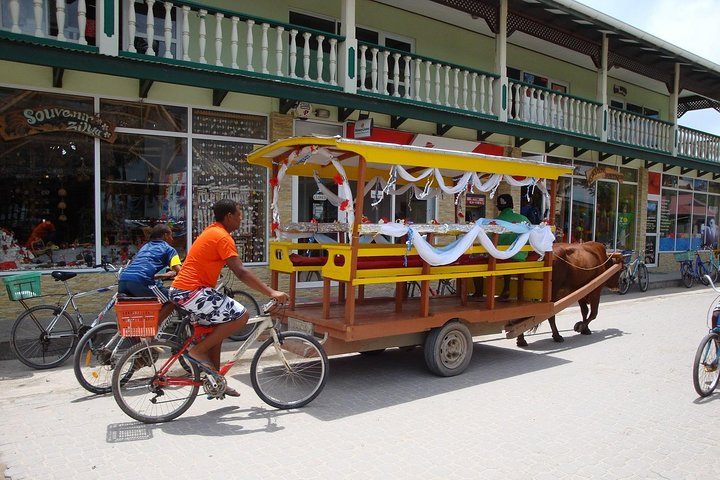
(633, 271)
(44, 336)
(695, 270)
(152, 384)
(705, 364)
(247, 300)
(445, 286)
(99, 349)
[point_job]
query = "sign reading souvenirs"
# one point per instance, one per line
(598, 173)
(31, 121)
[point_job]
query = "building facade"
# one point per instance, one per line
(120, 114)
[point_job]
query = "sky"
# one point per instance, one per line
(693, 25)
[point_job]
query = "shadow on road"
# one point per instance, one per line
(224, 421)
(572, 340)
(363, 383)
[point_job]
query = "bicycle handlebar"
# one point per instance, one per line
(712, 285)
(108, 267)
(272, 306)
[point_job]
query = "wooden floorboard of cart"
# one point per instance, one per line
(377, 317)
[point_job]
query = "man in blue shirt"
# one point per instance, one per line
(153, 257)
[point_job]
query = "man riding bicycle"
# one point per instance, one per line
(193, 288)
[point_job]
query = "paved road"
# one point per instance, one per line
(616, 404)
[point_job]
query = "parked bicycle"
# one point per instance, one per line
(692, 268)
(705, 365)
(44, 336)
(633, 271)
(152, 383)
(99, 350)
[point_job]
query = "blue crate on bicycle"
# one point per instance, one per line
(684, 256)
(23, 286)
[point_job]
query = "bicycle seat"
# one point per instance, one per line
(62, 276)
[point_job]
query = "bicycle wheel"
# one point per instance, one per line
(643, 277)
(97, 354)
(43, 336)
(146, 397)
(711, 270)
(253, 309)
(686, 274)
(705, 365)
(624, 282)
(290, 374)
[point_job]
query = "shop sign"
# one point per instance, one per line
(475, 200)
(32, 121)
(363, 128)
(596, 173)
(319, 197)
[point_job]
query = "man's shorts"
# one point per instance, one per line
(210, 306)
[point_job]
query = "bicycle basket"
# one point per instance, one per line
(627, 256)
(684, 256)
(138, 318)
(23, 286)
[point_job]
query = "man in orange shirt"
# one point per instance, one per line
(194, 287)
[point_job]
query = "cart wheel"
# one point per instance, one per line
(448, 349)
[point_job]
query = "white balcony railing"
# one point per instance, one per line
(207, 37)
(553, 109)
(187, 32)
(388, 72)
(695, 144)
(63, 22)
(640, 131)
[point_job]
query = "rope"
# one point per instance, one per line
(583, 268)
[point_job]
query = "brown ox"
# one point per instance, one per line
(574, 266)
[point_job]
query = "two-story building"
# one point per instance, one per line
(118, 114)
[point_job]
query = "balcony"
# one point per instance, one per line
(202, 37)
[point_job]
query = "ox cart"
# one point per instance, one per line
(365, 267)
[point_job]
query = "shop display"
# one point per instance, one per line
(220, 171)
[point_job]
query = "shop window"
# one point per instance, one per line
(146, 116)
(626, 217)
(47, 213)
(143, 182)
(208, 122)
(668, 214)
(220, 171)
(583, 205)
(605, 224)
(563, 202)
(688, 214)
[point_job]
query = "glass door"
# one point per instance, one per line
(651, 230)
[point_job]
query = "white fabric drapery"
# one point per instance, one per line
(345, 201)
(540, 238)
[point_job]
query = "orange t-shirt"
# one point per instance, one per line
(206, 258)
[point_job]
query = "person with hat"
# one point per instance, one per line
(505, 207)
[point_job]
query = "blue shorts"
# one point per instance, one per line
(137, 289)
(210, 306)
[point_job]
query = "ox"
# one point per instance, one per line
(574, 266)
